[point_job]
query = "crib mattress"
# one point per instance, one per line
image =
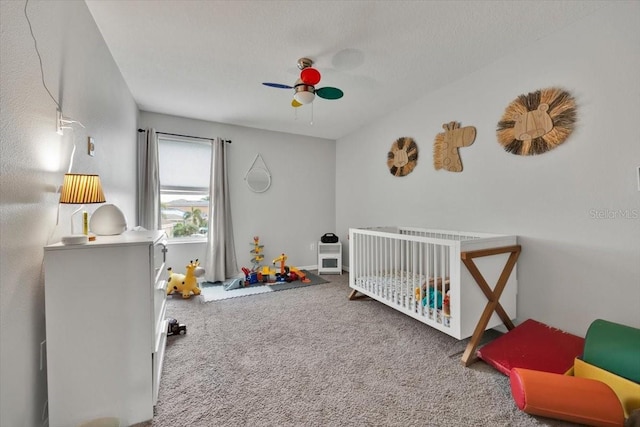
(401, 289)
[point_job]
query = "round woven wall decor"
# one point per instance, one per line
(403, 156)
(537, 122)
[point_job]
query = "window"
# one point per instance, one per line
(184, 186)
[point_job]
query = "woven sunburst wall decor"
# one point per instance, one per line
(537, 122)
(403, 156)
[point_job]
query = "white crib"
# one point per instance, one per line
(459, 283)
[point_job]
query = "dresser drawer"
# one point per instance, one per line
(159, 313)
(159, 306)
(158, 359)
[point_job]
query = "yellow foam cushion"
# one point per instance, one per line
(627, 391)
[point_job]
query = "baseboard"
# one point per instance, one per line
(315, 267)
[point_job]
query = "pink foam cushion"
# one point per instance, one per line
(533, 345)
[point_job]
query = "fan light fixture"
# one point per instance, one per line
(305, 94)
(304, 88)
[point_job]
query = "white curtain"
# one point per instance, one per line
(220, 261)
(148, 181)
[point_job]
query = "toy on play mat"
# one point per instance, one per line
(258, 272)
(265, 274)
(187, 283)
(235, 283)
(250, 277)
(257, 255)
(288, 273)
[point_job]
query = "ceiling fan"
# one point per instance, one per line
(304, 88)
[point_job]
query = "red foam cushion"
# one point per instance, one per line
(533, 345)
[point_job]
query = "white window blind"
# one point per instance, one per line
(184, 164)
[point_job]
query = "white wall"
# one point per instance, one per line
(574, 268)
(83, 77)
(292, 214)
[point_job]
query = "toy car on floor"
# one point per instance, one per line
(176, 328)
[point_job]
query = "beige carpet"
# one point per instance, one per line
(311, 357)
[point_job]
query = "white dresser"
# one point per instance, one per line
(106, 328)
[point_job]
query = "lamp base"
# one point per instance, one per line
(75, 239)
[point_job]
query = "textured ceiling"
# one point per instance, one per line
(207, 59)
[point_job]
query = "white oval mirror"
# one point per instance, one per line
(258, 180)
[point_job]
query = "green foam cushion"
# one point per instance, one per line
(614, 348)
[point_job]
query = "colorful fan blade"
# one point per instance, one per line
(295, 104)
(329, 93)
(310, 76)
(278, 85)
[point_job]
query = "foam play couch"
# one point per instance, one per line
(602, 388)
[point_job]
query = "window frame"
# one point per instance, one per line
(166, 190)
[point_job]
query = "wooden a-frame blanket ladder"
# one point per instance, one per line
(493, 296)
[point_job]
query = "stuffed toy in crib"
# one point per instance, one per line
(185, 283)
(434, 297)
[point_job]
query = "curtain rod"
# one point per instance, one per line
(186, 136)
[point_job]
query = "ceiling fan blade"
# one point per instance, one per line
(310, 76)
(329, 93)
(278, 85)
(295, 104)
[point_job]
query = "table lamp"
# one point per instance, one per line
(80, 189)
